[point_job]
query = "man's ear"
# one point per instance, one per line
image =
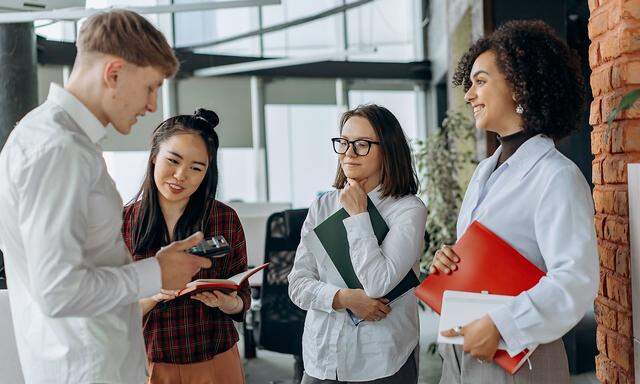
(112, 71)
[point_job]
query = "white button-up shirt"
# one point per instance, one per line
(332, 347)
(73, 288)
(539, 203)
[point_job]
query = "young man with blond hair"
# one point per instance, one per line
(73, 286)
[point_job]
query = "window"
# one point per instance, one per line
(127, 169)
(401, 103)
(301, 161)
(237, 175)
(387, 25)
(197, 27)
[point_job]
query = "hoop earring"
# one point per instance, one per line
(519, 109)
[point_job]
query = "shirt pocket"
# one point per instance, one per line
(374, 338)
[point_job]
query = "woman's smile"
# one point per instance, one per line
(175, 188)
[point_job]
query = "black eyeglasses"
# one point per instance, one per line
(361, 147)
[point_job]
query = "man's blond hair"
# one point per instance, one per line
(127, 35)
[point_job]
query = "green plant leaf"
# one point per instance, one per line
(627, 101)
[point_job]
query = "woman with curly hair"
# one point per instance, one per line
(524, 84)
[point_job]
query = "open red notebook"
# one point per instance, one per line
(223, 285)
(487, 263)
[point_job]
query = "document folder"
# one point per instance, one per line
(487, 263)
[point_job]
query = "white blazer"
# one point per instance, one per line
(540, 203)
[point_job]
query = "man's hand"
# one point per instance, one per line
(481, 338)
(177, 266)
(362, 305)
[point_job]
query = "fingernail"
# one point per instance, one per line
(447, 270)
(456, 259)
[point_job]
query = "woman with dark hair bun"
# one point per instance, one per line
(188, 339)
(525, 84)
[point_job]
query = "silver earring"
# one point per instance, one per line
(519, 109)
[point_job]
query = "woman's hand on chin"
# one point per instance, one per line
(353, 197)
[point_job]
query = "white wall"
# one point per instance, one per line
(48, 74)
(229, 97)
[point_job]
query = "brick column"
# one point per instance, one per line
(614, 57)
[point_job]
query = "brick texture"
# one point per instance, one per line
(614, 58)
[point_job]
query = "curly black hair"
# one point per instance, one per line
(544, 74)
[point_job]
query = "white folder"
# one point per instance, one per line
(461, 308)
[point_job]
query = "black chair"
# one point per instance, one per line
(275, 323)
(580, 344)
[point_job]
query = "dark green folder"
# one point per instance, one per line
(333, 237)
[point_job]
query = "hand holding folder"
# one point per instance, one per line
(333, 237)
(487, 263)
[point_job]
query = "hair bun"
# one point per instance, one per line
(209, 116)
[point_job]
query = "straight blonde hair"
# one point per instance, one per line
(127, 35)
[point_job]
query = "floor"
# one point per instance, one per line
(275, 368)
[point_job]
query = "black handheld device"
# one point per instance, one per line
(212, 248)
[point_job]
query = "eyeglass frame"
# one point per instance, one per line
(352, 143)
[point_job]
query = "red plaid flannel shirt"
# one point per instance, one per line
(184, 330)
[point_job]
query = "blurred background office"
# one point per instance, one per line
(280, 72)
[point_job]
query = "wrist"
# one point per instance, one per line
(237, 307)
(341, 299)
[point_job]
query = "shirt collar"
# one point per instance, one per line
(488, 166)
(376, 195)
(87, 121)
(521, 161)
(529, 153)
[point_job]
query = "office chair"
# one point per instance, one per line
(274, 322)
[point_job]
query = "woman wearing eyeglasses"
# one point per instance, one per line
(374, 160)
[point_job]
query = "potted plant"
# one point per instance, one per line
(443, 162)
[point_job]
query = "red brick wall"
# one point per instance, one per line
(614, 57)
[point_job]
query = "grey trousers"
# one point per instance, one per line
(408, 374)
(548, 362)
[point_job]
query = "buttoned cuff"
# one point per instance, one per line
(509, 332)
(358, 227)
(324, 299)
(148, 276)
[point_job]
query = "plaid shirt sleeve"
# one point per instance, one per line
(239, 264)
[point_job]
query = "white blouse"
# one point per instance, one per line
(540, 203)
(332, 347)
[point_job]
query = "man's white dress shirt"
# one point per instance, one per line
(73, 287)
(539, 202)
(332, 347)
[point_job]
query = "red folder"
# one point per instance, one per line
(487, 263)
